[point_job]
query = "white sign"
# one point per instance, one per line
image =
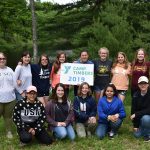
(75, 74)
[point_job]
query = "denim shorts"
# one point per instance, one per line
(98, 88)
(122, 92)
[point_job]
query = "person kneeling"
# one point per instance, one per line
(110, 112)
(85, 111)
(59, 114)
(29, 117)
(140, 109)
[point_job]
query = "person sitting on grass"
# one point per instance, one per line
(59, 114)
(29, 117)
(140, 109)
(110, 113)
(85, 111)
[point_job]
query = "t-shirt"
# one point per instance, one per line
(102, 70)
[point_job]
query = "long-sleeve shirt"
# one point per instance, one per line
(84, 108)
(7, 85)
(140, 107)
(28, 115)
(51, 112)
(120, 76)
(40, 78)
(106, 108)
(23, 73)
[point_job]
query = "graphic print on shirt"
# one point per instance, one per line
(44, 73)
(30, 115)
(102, 69)
(140, 68)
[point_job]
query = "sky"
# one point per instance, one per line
(60, 1)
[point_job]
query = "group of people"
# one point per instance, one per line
(30, 85)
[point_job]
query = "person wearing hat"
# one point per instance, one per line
(140, 110)
(29, 117)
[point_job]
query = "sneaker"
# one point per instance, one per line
(22, 144)
(147, 138)
(9, 135)
(111, 134)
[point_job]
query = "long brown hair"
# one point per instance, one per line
(57, 62)
(54, 95)
(126, 62)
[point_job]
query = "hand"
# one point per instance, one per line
(61, 124)
(19, 82)
(23, 94)
(132, 117)
(92, 120)
(135, 129)
(32, 131)
(112, 118)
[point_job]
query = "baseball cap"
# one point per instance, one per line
(143, 79)
(31, 88)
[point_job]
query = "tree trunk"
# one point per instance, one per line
(34, 32)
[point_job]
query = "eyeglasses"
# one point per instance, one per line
(2, 58)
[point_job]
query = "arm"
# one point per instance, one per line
(17, 116)
(70, 117)
(49, 117)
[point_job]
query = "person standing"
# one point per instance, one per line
(29, 118)
(140, 67)
(102, 70)
(41, 78)
(121, 70)
(140, 109)
(7, 93)
(23, 75)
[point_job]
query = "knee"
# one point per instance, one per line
(145, 119)
(27, 138)
(61, 134)
(100, 134)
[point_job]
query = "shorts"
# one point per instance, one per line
(98, 88)
(122, 92)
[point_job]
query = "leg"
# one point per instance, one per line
(97, 95)
(70, 132)
(75, 90)
(43, 137)
(8, 109)
(25, 136)
(122, 97)
(18, 96)
(1, 109)
(80, 129)
(114, 126)
(101, 130)
(60, 132)
(145, 125)
(46, 99)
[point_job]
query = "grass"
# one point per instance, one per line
(124, 140)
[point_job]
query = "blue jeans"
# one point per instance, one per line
(18, 96)
(102, 129)
(62, 132)
(144, 129)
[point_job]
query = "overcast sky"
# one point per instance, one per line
(60, 1)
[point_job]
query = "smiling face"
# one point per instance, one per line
(62, 58)
(2, 60)
(84, 57)
(143, 86)
(31, 96)
(109, 92)
(103, 54)
(140, 56)
(26, 59)
(60, 92)
(85, 90)
(121, 58)
(44, 61)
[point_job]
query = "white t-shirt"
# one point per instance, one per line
(23, 73)
(7, 85)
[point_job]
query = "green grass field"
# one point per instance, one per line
(124, 140)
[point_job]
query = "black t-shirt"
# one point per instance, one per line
(102, 70)
(61, 112)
